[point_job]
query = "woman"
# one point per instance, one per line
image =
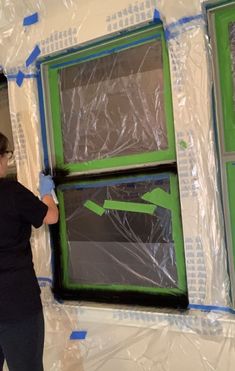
(21, 316)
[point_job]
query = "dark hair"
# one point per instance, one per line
(3, 144)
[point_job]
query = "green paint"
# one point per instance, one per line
(159, 197)
(121, 161)
(63, 239)
(230, 166)
(183, 144)
(129, 206)
(177, 233)
(97, 209)
(223, 18)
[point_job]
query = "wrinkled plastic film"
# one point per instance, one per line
(128, 247)
(96, 97)
(194, 134)
(113, 341)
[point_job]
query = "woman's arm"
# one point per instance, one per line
(52, 214)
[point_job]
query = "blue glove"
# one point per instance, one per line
(46, 184)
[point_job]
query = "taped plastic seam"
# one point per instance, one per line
(211, 308)
(78, 335)
(21, 76)
(106, 52)
(182, 25)
(31, 19)
(44, 281)
(33, 56)
(156, 16)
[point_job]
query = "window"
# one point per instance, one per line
(110, 124)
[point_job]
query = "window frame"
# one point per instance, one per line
(177, 237)
(50, 70)
(222, 18)
(163, 161)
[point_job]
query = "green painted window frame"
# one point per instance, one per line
(230, 170)
(177, 234)
(223, 17)
(124, 42)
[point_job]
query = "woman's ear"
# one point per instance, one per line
(3, 166)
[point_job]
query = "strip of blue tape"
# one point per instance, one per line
(209, 308)
(169, 30)
(26, 76)
(20, 77)
(184, 20)
(31, 19)
(44, 279)
(33, 56)
(156, 16)
(43, 121)
(106, 52)
(78, 335)
(114, 182)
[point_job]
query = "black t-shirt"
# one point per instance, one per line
(19, 289)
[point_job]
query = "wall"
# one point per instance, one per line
(131, 338)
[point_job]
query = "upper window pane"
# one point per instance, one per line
(110, 104)
(113, 106)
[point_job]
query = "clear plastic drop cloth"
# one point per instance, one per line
(169, 342)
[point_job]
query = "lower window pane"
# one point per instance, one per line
(119, 237)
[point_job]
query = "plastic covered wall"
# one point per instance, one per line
(102, 337)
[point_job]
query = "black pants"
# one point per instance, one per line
(21, 344)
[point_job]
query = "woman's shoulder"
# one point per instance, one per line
(8, 183)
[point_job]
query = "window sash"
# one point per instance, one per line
(177, 238)
(53, 69)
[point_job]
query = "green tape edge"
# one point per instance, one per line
(223, 17)
(158, 197)
(230, 167)
(129, 206)
(92, 206)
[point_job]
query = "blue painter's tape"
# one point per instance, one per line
(170, 30)
(78, 335)
(45, 279)
(156, 16)
(184, 20)
(106, 52)
(26, 76)
(19, 78)
(31, 19)
(113, 182)
(43, 121)
(209, 308)
(33, 56)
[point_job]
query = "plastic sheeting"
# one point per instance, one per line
(131, 251)
(114, 106)
(66, 24)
